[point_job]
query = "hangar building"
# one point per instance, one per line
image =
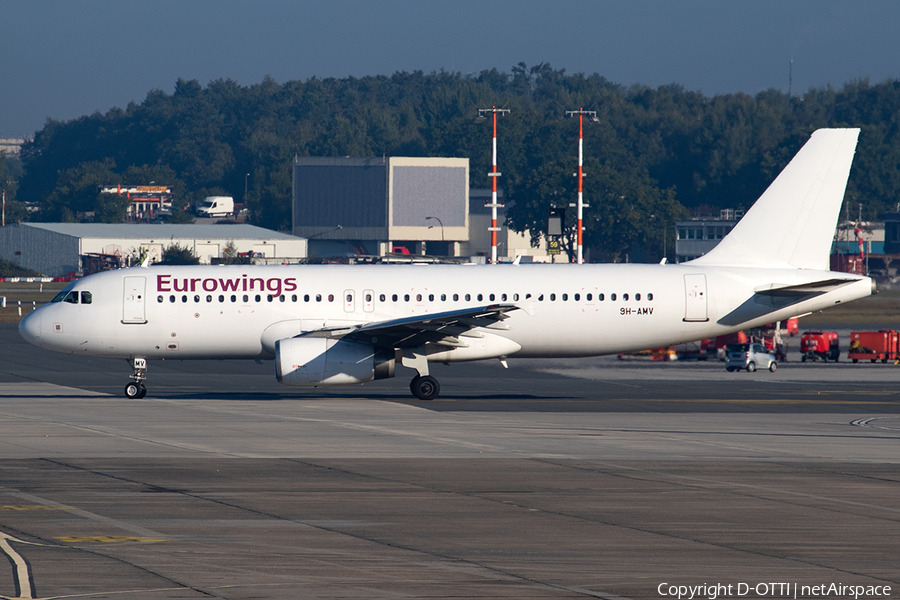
(59, 248)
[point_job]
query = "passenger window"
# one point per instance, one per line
(443, 297)
(318, 297)
(331, 297)
(233, 298)
(577, 297)
(589, 297)
(293, 297)
(431, 297)
(456, 297)
(541, 298)
(86, 298)
(552, 297)
(368, 298)
(565, 297)
(515, 297)
(184, 298)
(394, 298)
(350, 298)
(172, 298)
(381, 298)
(491, 297)
(502, 297)
(468, 297)
(196, 297)
(221, 298)
(209, 298)
(159, 298)
(637, 297)
(257, 298)
(612, 297)
(418, 297)
(527, 296)
(406, 297)
(601, 297)
(306, 297)
(624, 296)
(649, 296)
(246, 298)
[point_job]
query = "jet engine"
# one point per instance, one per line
(313, 361)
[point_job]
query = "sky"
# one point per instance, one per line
(62, 59)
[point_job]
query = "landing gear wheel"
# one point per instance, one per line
(425, 388)
(135, 390)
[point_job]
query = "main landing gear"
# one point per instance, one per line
(136, 389)
(425, 387)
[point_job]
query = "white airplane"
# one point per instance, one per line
(335, 324)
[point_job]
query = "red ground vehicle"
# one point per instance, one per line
(820, 344)
(790, 327)
(718, 344)
(881, 345)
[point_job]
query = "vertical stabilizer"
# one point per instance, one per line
(792, 224)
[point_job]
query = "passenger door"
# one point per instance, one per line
(134, 307)
(695, 304)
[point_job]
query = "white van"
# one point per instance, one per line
(215, 206)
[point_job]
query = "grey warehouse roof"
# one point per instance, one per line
(162, 231)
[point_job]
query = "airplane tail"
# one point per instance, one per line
(792, 224)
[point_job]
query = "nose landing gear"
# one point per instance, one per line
(136, 389)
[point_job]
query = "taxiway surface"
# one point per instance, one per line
(553, 479)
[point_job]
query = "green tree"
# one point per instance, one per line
(175, 254)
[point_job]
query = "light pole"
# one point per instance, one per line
(493, 175)
(593, 114)
(439, 223)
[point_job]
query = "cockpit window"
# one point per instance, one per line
(72, 297)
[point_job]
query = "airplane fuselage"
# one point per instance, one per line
(562, 310)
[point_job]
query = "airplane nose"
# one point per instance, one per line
(30, 327)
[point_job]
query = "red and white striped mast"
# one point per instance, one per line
(593, 114)
(494, 174)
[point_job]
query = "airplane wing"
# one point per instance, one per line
(443, 328)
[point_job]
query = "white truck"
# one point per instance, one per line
(215, 206)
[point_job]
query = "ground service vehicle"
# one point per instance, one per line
(215, 206)
(750, 357)
(815, 345)
(881, 345)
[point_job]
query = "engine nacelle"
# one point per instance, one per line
(314, 361)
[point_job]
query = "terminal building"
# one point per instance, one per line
(56, 249)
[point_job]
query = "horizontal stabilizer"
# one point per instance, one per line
(792, 224)
(803, 289)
